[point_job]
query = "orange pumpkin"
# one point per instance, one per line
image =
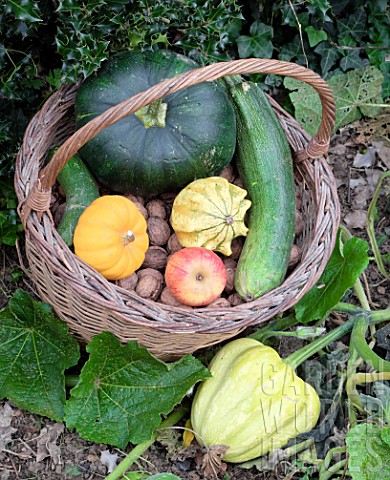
(111, 236)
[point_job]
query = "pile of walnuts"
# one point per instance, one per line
(148, 281)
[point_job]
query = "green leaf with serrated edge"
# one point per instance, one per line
(24, 10)
(344, 267)
(123, 390)
(35, 350)
(352, 92)
(368, 452)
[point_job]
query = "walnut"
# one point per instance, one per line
(173, 244)
(168, 198)
(167, 298)
(129, 283)
(295, 256)
(149, 284)
(158, 231)
(139, 202)
(228, 173)
(135, 198)
(237, 181)
(298, 223)
(298, 201)
(59, 212)
(235, 299)
(156, 208)
(54, 199)
(142, 209)
(230, 266)
(155, 257)
(61, 191)
(236, 247)
(219, 303)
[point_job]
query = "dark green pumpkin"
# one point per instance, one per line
(162, 147)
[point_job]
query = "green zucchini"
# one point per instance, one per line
(264, 162)
(80, 190)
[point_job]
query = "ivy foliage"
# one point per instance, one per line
(331, 37)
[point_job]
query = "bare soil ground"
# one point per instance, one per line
(33, 447)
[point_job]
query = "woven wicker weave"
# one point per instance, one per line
(89, 303)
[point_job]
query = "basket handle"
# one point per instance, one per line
(39, 196)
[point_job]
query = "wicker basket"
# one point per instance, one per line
(88, 302)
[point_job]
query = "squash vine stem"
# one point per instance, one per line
(362, 317)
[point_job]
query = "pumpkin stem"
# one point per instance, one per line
(128, 237)
(229, 220)
(153, 115)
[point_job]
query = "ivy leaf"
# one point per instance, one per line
(323, 6)
(352, 59)
(328, 55)
(354, 25)
(293, 50)
(368, 451)
(35, 350)
(23, 10)
(258, 44)
(315, 36)
(123, 390)
(345, 265)
(352, 92)
(9, 227)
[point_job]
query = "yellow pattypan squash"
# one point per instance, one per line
(111, 236)
(254, 403)
(209, 213)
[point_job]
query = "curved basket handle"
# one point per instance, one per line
(39, 196)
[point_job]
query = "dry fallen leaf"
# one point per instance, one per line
(356, 219)
(6, 430)
(210, 463)
(383, 151)
(366, 159)
(376, 129)
(188, 434)
(356, 182)
(109, 460)
(47, 443)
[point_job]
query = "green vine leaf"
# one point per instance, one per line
(124, 390)
(35, 350)
(345, 265)
(368, 451)
(354, 93)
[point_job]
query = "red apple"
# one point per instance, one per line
(195, 276)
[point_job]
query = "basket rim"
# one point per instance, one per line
(316, 147)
